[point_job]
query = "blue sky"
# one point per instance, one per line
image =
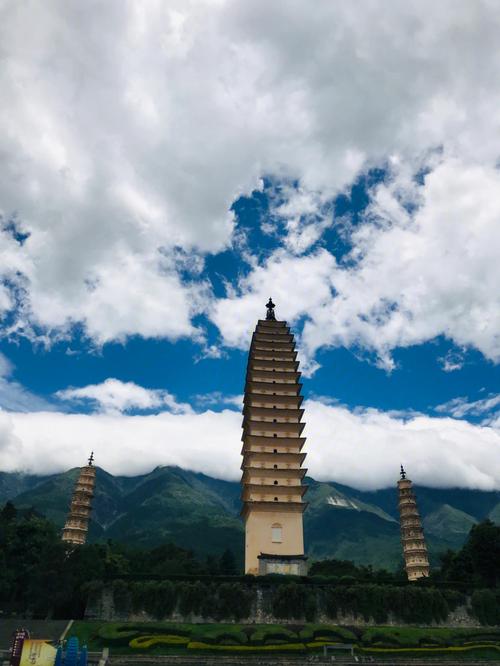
(163, 179)
(350, 376)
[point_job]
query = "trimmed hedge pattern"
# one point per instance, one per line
(168, 637)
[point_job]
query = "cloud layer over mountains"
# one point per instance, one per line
(362, 449)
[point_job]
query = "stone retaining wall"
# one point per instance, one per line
(102, 607)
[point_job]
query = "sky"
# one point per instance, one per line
(166, 167)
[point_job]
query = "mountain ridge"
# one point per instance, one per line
(201, 513)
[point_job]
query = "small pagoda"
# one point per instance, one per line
(273, 472)
(77, 524)
(412, 534)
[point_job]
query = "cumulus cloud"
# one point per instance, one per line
(125, 138)
(299, 285)
(114, 397)
(305, 215)
(362, 448)
(424, 263)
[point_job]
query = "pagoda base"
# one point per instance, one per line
(294, 565)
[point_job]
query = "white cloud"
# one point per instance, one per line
(410, 277)
(305, 214)
(5, 300)
(298, 285)
(114, 397)
(453, 360)
(130, 445)
(364, 449)
(460, 407)
(137, 132)
(217, 398)
(5, 366)
(361, 448)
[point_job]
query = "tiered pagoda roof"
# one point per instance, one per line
(412, 534)
(77, 524)
(272, 422)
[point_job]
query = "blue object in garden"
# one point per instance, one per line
(82, 659)
(59, 656)
(71, 657)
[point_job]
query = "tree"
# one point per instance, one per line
(478, 562)
(8, 513)
(227, 563)
(483, 548)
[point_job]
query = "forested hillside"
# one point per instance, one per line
(194, 511)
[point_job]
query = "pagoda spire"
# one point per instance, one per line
(270, 316)
(412, 534)
(272, 481)
(77, 523)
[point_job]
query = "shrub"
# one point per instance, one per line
(122, 598)
(485, 607)
(147, 641)
(454, 598)
(339, 634)
(294, 601)
(285, 647)
(262, 634)
(159, 599)
(233, 601)
(117, 634)
(191, 597)
(330, 601)
(274, 638)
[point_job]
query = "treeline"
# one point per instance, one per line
(38, 576)
(475, 565)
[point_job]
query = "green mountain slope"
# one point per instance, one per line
(198, 512)
(449, 523)
(338, 525)
(14, 483)
(186, 508)
(494, 514)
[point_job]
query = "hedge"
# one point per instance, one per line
(294, 602)
(288, 647)
(136, 637)
(486, 606)
(148, 641)
(291, 600)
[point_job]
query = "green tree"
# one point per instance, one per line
(478, 562)
(483, 548)
(8, 513)
(486, 606)
(227, 563)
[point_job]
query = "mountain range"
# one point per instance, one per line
(202, 513)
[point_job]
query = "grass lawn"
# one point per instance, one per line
(382, 642)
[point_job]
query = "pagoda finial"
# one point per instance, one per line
(91, 459)
(270, 310)
(403, 473)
